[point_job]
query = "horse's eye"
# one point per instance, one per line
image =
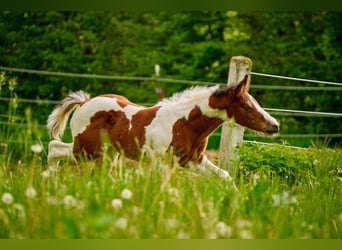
(247, 108)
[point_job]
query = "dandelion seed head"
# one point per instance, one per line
(246, 234)
(223, 230)
(116, 204)
(212, 235)
(171, 223)
(121, 223)
(241, 223)
(173, 192)
(31, 192)
(20, 210)
(7, 198)
(69, 201)
(45, 174)
(126, 194)
(283, 199)
(183, 235)
(37, 148)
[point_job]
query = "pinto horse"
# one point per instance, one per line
(183, 122)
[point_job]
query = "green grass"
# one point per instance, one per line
(283, 193)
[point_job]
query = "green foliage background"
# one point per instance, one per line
(187, 45)
(283, 192)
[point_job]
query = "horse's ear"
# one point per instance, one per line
(242, 87)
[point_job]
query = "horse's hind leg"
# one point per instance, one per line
(59, 151)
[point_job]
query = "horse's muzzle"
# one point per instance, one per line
(272, 128)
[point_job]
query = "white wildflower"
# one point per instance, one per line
(246, 234)
(116, 204)
(255, 178)
(31, 192)
(126, 194)
(7, 198)
(37, 148)
(121, 223)
(46, 174)
(212, 235)
(69, 201)
(223, 230)
(171, 223)
(183, 235)
(174, 193)
(20, 210)
(241, 223)
(283, 199)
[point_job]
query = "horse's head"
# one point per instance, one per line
(245, 110)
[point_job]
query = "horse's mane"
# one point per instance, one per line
(188, 94)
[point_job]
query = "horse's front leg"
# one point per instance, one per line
(206, 164)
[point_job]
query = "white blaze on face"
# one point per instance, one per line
(266, 115)
(81, 118)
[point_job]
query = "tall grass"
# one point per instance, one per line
(283, 193)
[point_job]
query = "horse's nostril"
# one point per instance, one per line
(276, 128)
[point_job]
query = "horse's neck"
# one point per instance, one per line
(197, 115)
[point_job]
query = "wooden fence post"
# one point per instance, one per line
(232, 134)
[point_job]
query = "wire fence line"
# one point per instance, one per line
(215, 134)
(296, 79)
(296, 88)
(332, 135)
(142, 78)
(273, 111)
(281, 112)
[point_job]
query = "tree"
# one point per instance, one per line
(187, 45)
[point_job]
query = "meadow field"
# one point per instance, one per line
(282, 193)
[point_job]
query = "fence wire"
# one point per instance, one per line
(281, 112)
(143, 78)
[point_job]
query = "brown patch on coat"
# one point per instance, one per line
(127, 137)
(190, 136)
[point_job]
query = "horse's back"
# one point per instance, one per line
(114, 116)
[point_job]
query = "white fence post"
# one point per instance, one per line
(232, 134)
